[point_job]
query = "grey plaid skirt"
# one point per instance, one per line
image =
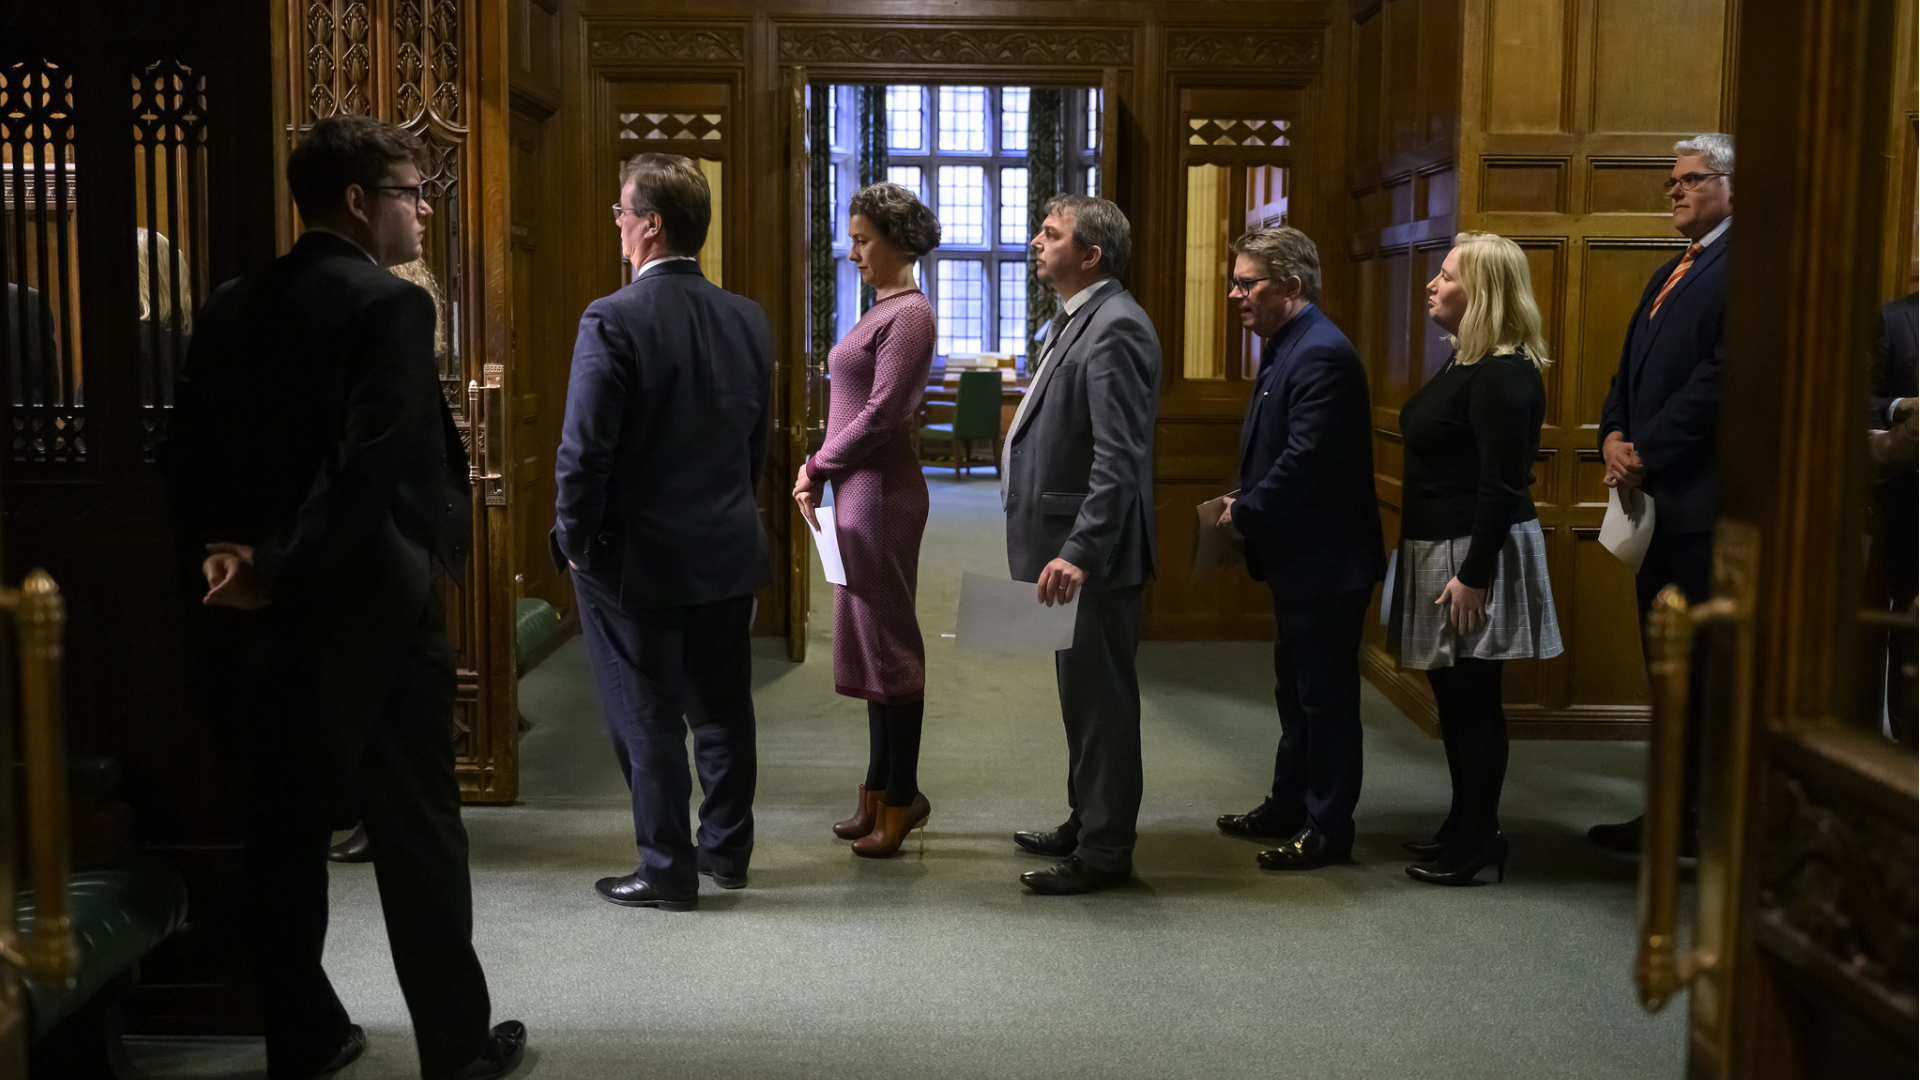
(1520, 619)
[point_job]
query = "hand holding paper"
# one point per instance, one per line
(1628, 527)
(1002, 616)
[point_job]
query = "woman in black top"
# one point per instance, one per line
(1473, 589)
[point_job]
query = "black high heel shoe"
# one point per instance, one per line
(1461, 871)
(1425, 850)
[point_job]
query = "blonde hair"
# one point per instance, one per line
(421, 274)
(1501, 315)
(171, 269)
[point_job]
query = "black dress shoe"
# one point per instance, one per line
(350, 1050)
(355, 848)
(1310, 849)
(1458, 867)
(506, 1045)
(1425, 850)
(631, 891)
(725, 881)
(1072, 875)
(1057, 844)
(1256, 825)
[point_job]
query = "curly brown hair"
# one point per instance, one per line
(902, 219)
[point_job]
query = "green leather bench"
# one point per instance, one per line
(120, 910)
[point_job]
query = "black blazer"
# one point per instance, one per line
(1894, 353)
(1665, 397)
(1306, 502)
(309, 422)
(668, 407)
(1080, 465)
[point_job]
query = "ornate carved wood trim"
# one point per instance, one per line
(1838, 884)
(953, 45)
(626, 42)
(1287, 50)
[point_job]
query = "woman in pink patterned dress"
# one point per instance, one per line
(879, 373)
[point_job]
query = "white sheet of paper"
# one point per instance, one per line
(827, 540)
(1002, 616)
(1386, 591)
(1628, 528)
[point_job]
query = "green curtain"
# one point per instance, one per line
(1047, 134)
(822, 286)
(873, 153)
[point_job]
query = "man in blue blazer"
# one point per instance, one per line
(1306, 509)
(658, 470)
(1659, 426)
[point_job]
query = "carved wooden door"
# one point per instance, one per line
(437, 69)
(1802, 959)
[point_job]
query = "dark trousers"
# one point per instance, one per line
(1316, 668)
(661, 672)
(1473, 728)
(1686, 560)
(1100, 704)
(409, 801)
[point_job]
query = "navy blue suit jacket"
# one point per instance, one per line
(1665, 398)
(1306, 502)
(665, 434)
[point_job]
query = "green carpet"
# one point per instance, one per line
(940, 965)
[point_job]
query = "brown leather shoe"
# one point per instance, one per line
(865, 811)
(892, 828)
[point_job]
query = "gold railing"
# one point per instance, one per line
(46, 951)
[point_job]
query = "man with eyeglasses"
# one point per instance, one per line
(1306, 508)
(1659, 425)
(322, 487)
(668, 411)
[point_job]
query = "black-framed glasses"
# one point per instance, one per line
(1689, 181)
(415, 192)
(1244, 284)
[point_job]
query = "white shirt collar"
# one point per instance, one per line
(348, 239)
(651, 263)
(1718, 231)
(1079, 300)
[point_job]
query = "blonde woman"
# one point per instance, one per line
(1472, 590)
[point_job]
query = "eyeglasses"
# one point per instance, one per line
(619, 211)
(1690, 181)
(415, 192)
(1244, 284)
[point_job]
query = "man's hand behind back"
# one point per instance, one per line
(231, 580)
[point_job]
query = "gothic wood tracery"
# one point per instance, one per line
(683, 44)
(1280, 51)
(953, 45)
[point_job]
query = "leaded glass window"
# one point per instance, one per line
(1013, 207)
(908, 176)
(906, 118)
(1013, 119)
(1013, 307)
(963, 206)
(962, 306)
(962, 119)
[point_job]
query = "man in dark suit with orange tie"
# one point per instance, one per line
(1660, 423)
(1306, 508)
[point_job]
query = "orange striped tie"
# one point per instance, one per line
(1674, 278)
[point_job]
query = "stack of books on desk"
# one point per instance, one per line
(979, 361)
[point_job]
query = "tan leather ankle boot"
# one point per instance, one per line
(892, 828)
(865, 811)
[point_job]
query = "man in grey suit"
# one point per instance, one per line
(1077, 488)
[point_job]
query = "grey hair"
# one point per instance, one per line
(1098, 223)
(1717, 146)
(1286, 252)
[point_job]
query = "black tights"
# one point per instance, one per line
(1473, 727)
(893, 750)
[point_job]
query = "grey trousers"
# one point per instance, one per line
(1100, 703)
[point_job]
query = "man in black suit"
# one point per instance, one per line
(1896, 499)
(1078, 493)
(659, 466)
(319, 476)
(1306, 509)
(1659, 425)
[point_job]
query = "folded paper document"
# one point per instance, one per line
(1628, 526)
(1002, 616)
